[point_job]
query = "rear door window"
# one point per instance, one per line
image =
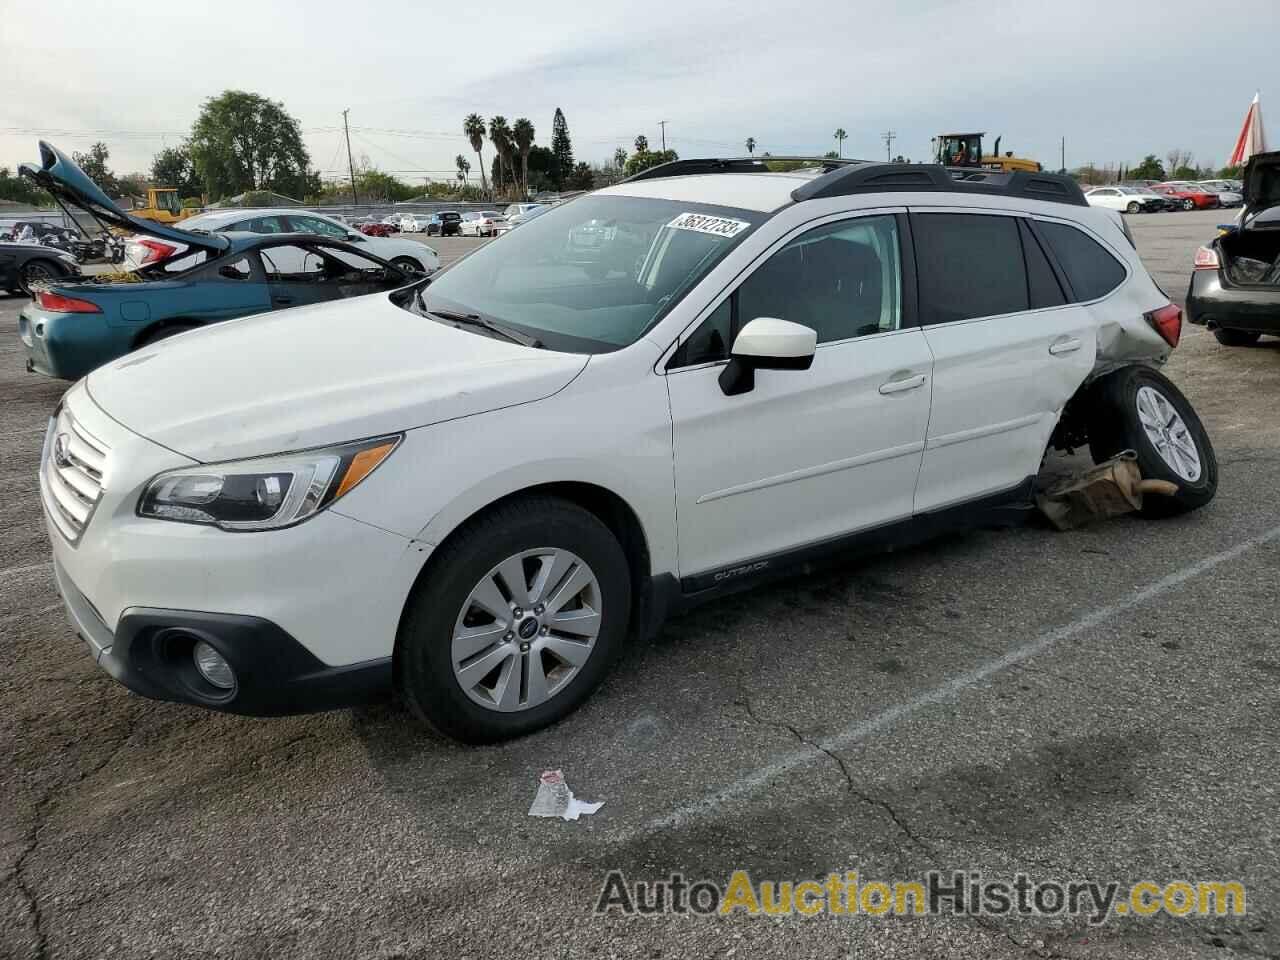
(1090, 269)
(969, 266)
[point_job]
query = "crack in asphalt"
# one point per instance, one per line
(18, 873)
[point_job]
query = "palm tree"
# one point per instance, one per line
(500, 134)
(841, 137)
(473, 127)
(523, 132)
(751, 145)
(464, 167)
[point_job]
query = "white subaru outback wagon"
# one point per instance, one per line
(473, 490)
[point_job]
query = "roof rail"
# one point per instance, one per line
(842, 177)
(701, 165)
(929, 177)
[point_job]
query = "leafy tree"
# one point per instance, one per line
(581, 178)
(1149, 169)
(649, 158)
(620, 158)
(642, 144)
(542, 165)
(829, 155)
(173, 167)
(1186, 173)
(22, 190)
(464, 167)
(562, 148)
(473, 127)
(1176, 159)
(133, 185)
(94, 164)
(751, 146)
(1230, 173)
(522, 133)
(244, 142)
(841, 137)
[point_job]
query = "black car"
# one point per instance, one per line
(1235, 286)
(22, 264)
(445, 224)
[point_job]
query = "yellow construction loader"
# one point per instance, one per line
(965, 150)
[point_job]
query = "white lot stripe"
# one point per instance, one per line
(757, 779)
(26, 568)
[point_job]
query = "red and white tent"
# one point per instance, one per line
(1252, 139)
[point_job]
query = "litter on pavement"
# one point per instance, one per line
(1107, 490)
(555, 799)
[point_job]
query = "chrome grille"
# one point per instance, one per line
(71, 475)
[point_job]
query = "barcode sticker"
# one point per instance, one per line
(701, 223)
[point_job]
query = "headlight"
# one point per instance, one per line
(264, 493)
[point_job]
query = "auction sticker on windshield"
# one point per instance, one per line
(700, 222)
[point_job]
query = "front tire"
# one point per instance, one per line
(1134, 207)
(1136, 408)
(1235, 338)
(408, 263)
(515, 623)
(1188, 204)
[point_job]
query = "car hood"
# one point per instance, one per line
(62, 177)
(1261, 182)
(314, 376)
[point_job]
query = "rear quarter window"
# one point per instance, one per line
(1090, 269)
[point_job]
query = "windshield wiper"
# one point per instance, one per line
(493, 326)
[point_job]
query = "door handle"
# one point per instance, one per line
(898, 386)
(1059, 347)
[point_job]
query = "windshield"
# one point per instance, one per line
(593, 275)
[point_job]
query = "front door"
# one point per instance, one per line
(808, 455)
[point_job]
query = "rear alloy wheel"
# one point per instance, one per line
(36, 271)
(1235, 338)
(1136, 408)
(1134, 207)
(516, 621)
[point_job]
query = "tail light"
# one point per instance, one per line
(57, 303)
(1207, 259)
(1167, 321)
(155, 250)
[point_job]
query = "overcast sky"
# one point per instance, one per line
(1118, 80)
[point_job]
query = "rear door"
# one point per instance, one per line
(1009, 350)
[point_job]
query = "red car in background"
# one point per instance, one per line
(1189, 196)
(373, 228)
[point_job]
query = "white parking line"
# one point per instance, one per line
(760, 778)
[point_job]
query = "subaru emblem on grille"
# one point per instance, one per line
(61, 444)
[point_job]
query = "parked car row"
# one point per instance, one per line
(1167, 196)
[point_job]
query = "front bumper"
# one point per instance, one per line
(150, 653)
(307, 615)
(1214, 303)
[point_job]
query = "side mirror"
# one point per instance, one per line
(767, 343)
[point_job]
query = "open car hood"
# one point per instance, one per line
(1261, 182)
(63, 178)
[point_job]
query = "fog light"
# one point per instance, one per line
(213, 667)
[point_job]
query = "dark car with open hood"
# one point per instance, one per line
(1235, 286)
(76, 324)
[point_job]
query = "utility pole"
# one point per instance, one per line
(663, 125)
(889, 136)
(351, 166)
(1064, 154)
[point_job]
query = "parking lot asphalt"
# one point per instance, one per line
(1101, 704)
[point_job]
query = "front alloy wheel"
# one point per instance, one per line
(526, 629)
(516, 619)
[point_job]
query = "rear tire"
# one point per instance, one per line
(1135, 408)
(37, 271)
(520, 643)
(1235, 338)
